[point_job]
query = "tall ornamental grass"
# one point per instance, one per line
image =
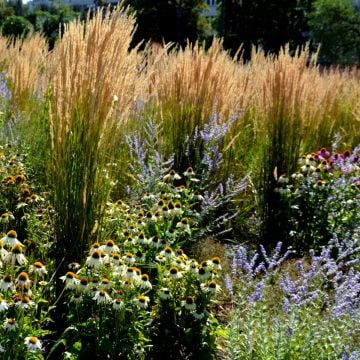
(93, 77)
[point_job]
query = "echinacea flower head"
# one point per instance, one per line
(144, 282)
(10, 324)
(155, 242)
(83, 284)
(118, 304)
(3, 252)
(11, 239)
(130, 273)
(76, 298)
(215, 263)
(73, 266)
(105, 283)
(110, 247)
(94, 260)
(210, 287)
(24, 302)
(38, 268)
(129, 258)
(142, 301)
(15, 256)
(164, 294)
(23, 280)
(172, 175)
(71, 280)
(7, 284)
(3, 304)
(168, 252)
(102, 297)
(189, 172)
(199, 314)
(189, 303)
(203, 273)
(33, 343)
(174, 273)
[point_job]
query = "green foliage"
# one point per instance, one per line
(335, 25)
(16, 26)
(267, 24)
(166, 21)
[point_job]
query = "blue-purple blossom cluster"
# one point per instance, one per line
(146, 161)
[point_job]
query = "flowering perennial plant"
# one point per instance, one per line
(307, 308)
(322, 198)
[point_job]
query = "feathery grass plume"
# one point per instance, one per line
(94, 79)
(24, 60)
(186, 84)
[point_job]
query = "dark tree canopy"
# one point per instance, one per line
(168, 20)
(269, 24)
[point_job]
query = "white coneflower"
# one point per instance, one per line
(180, 264)
(160, 258)
(130, 274)
(11, 239)
(70, 279)
(130, 241)
(193, 266)
(150, 217)
(38, 268)
(83, 284)
(118, 304)
(15, 256)
(174, 273)
(144, 282)
(102, 297)
(198, 314)
(116, 259)
(165, 211)
(10, 324)
(2, 349)
(141, 239)
(189, 303)
(24, 302)
(3, 252)
(105, 283)
(139, 256)
(33, 343)
(215, 263)
(3, 304)
(164, 293)
(129, 258)
(189, 172)
(168, 252)
(210, 287)
(155, 242)
(76, 298)
(94, 246)
(73, 266)
(94, 260)
(142, 301)
(23, 280)
(172, 175)
(7, 284)
(203, 273)
(184, 224)
(177, 209)
(171, 234)
(110, 247)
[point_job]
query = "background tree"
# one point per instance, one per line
(335, 26)
(168, 20)
(265, 23)
(16, 26)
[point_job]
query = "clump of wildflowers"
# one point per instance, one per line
(323, 197)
